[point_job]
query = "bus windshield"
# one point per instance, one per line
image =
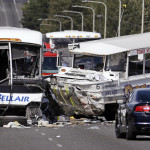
(116, 62)
(25, 60)
(49, 63)
(88, 62)
(63, 42)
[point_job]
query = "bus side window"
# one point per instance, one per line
(135, 66)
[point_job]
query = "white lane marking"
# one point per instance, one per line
(36, 129)
(50, 139)
(59, 145)
(43, 134)
(58, 136)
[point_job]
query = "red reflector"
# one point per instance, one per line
(139, 108)
(142, 108)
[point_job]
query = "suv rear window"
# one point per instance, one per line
(143, 96)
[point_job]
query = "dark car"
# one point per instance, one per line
(133, 115)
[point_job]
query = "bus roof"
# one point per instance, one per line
(20, 35)
(73, 34)
(112, 45)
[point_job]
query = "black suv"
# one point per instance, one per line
(133, 115)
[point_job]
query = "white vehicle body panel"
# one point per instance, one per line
(19, 98)
(25, 35)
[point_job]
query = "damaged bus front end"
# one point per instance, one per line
(22, 89)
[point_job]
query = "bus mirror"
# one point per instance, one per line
(60, 53)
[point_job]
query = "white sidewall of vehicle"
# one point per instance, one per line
(19, 98)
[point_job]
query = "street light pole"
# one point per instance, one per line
(52, 20)
(100, 20)
(76, 13)
(119, 24)
(142, 26)
(93, 14)
(66, 17)
(105, 28)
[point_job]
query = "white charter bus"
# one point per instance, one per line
(61, 39)
(21, 84)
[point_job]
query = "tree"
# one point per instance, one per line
(130, 24)
(131, 21)
(32, 12)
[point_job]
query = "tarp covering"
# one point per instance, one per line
(113, 45)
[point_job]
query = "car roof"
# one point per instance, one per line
(142, 89)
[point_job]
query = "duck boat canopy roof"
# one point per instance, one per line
(23, 35)
(112, 45)
(73, 34)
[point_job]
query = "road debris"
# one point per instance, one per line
(53, 125)
(76, 122)
(43, 122)
(14, 124)
(108, 122)
(61, 122)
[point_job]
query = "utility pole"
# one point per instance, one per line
(142, 26)
(119, 24)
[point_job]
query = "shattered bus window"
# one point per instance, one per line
(25, 60)
(116, 62)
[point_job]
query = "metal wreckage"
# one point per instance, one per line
(103, 72)
(23, 91)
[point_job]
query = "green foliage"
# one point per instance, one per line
(33, 11)
(130, 23)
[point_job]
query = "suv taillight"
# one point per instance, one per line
(142, 108)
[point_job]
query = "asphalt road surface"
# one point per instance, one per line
(10, 12)
(79, 137)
